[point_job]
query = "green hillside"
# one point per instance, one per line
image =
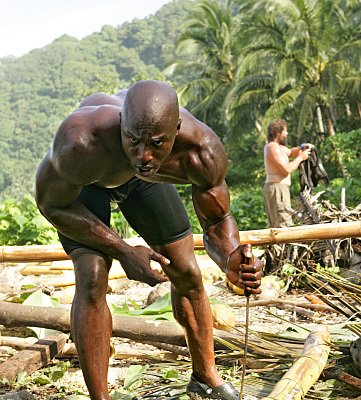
(41, 87)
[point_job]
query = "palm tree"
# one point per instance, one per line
(298, 58)
(206, 60)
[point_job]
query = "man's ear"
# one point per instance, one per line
(179, 124)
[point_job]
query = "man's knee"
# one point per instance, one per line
(186, 278)
(91, 274)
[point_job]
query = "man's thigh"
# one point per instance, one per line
(156, 212)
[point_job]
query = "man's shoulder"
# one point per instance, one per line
(85, 126)
(271, 147)
(100, 98)
(91, 117)
(272, 144)
(196, 130)
(204, 157)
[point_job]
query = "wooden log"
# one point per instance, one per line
(33, 357)
(305, 371)
(138, 329)
(294, 234)
(13, 314)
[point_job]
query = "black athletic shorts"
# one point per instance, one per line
(154, 210)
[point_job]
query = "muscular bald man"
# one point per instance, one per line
(130, 148)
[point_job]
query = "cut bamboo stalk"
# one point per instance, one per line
(39, 270)
(292, 303)
(124, 351)
(33, 357)
(68, 279)
(294, 234)
(306, 370)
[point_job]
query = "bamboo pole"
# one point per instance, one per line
(305, 371)
(302, 233)
(294, 234)
(68, 278)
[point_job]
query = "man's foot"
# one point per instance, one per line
(200, 391)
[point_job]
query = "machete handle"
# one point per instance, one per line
(248, 259)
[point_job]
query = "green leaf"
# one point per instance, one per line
(118, 395)
(134, 376)
(41, 380)
(59, 370)
(20, 220)
(40, 299)
(171, 374)
(123, 309)
(162, 305)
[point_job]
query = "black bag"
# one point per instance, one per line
(311, 171)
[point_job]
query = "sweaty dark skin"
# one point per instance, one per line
(106, 141)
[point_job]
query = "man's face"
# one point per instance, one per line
(283, 136)
(147, 143)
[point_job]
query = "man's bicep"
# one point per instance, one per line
(211, 204)
(53, 191)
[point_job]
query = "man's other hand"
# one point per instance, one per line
(136, 264)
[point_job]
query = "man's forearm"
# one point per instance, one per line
(293, 165)
(295, 151)
(220, 239)
(81, 225)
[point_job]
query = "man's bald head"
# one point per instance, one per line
(149, 125)
(151, 102)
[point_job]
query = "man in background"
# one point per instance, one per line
(280, 162)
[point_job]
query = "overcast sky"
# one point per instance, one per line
(29, 24)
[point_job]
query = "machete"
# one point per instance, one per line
(248, 260)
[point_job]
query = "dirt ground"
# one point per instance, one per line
(157, 361)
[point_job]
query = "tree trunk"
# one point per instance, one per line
(328, 120)
(348, 110)
(321, 129)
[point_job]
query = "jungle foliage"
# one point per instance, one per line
(235, 64)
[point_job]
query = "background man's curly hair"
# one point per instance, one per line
(275, 127)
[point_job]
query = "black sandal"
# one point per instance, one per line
(199, 391)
